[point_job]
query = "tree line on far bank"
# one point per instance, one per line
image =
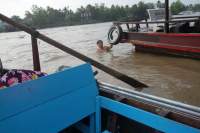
(40, 17)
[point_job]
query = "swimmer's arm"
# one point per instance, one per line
(109, 47)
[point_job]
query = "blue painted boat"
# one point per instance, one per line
(63, 100)
(72, 101)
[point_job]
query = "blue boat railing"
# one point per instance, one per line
(155, 121)
(158, 101)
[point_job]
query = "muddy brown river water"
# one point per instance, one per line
(169, 77)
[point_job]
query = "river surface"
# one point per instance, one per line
(168, 77)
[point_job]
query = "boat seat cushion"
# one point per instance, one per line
(16, 76)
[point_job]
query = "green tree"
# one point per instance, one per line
(68, 16)
(16, 18)
(1, 27)
(177, 7)
(159, 4)
(28, 18)
(55, 17)
(8, 27)
(150, 5)
(39, 17)
(196, 7)
(141, 11)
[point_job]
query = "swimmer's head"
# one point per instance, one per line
(100, 44)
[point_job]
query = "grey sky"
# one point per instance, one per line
(18, 7)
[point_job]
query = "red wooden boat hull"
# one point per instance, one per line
(178, 44)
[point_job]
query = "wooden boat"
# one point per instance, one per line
(174, 37)
(69, 102)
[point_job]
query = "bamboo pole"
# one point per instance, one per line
(129, 80)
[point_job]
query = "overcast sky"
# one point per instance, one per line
(18, 7)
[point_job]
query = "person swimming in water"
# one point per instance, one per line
(102, 48)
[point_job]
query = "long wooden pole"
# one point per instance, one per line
(35, 52)
(166, 16)
(129, 80)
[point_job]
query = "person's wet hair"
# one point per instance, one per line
(99, 41)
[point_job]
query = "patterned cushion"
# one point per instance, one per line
(13, 77)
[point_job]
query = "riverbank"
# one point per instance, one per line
(51, 26)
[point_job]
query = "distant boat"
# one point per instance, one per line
(179, 36)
